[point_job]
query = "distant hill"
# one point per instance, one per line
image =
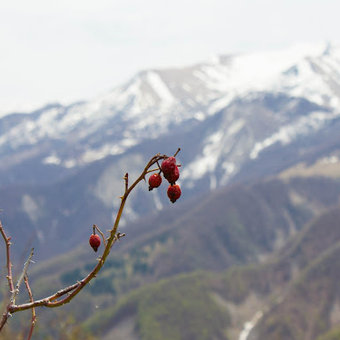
(193, 245)
(296, 291)
(309, 309)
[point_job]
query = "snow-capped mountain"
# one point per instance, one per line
(155, 101)
(236, 117)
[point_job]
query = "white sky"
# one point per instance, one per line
(69, 50)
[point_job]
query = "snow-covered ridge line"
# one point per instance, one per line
(154, 101)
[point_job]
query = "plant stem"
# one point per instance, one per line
(74, 289)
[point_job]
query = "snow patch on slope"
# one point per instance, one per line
(160, 88)
(289, 132)
(92, 155)
(205, 162)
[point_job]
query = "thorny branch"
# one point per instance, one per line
(59, 298)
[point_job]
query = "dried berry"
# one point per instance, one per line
(172, 176)
(174, 192)
(94, 241)
(168, 165)
(155, 181)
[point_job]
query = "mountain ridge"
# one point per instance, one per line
(81, 152)
(46, 183)
(154, 100)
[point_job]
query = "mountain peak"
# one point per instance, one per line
(155, 101)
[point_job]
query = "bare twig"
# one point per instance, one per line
(120, 235)
(8, 258)
(22, 276)
(176, 153)
(6, 314)
(33, 319)
(126, 179)
(95, 227)
(152, 170)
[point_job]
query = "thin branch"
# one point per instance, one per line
(62, 292)
(101, 233)
(126, 179)
(6, 314)
(176, 153)
(117, 238)
(34, 317)
(8, 259)
(22, 276)
(152, 170)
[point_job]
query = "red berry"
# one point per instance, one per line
(168, 165)
(173, 176)
(174, 192)
(155, 181)
(94, 241)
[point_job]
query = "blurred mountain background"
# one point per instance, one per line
(248, 252)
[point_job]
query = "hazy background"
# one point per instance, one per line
(66, 51)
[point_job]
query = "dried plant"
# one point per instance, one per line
(66, 294)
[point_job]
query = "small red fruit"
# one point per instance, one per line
(155, 181)
(94, 241)
(168, 165)
(174, 192)
(172, 176)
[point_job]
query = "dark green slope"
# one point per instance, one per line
(176, 308)
(200, 305)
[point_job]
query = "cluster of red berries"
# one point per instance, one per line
(170, 172)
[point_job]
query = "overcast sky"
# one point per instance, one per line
(69, 50)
